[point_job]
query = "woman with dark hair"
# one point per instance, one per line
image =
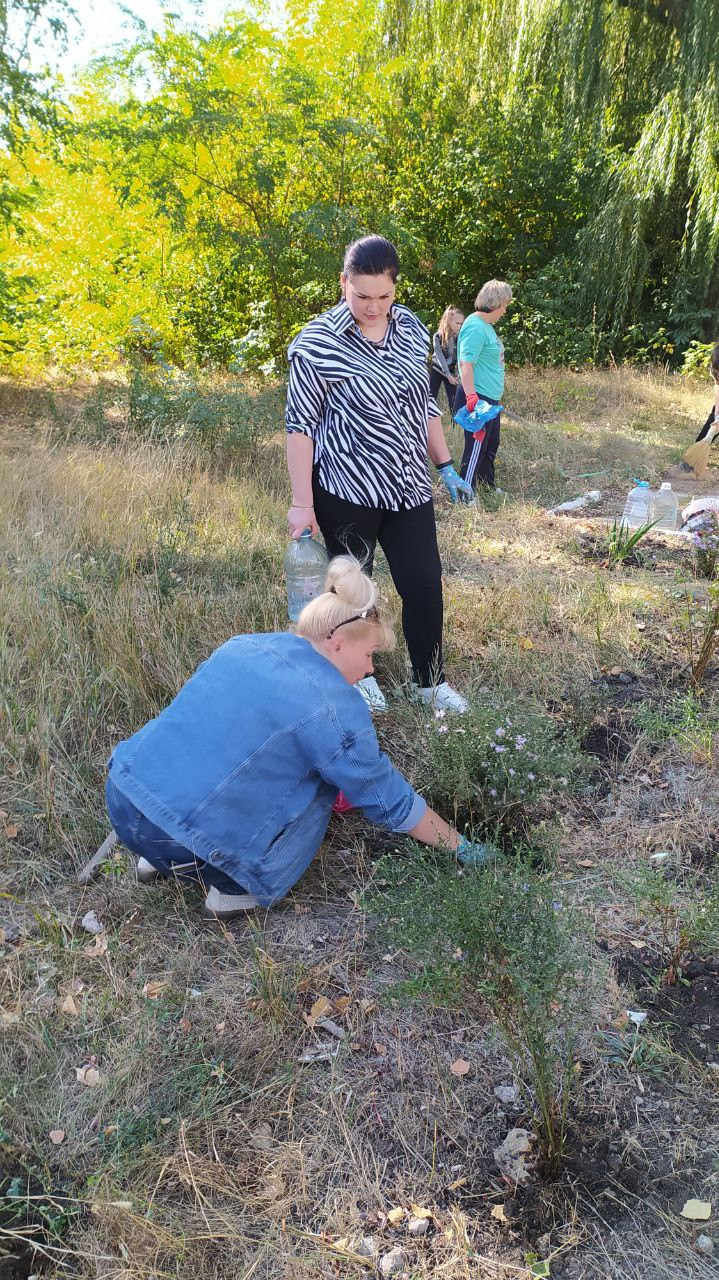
(360, 424)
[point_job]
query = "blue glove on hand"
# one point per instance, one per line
(458, 489)
(476, 854)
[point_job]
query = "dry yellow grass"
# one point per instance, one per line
(208, 1148)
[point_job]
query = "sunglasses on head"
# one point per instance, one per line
(370, 615)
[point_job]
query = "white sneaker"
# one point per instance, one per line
(226, 906)
(145, 871)
(372, 694)
(442, 697)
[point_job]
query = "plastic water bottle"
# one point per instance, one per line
(306, 563)
(666, 507)
(639, 506)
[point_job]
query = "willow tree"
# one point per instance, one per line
(637, 79)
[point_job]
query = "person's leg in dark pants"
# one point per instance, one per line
(166, 855)
(485, 468)
(437, 380)
(409, 541)
(347, 528)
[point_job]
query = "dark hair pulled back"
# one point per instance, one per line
(371, 256)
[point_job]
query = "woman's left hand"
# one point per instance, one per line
(458, 489)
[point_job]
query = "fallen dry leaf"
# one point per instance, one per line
(458, 1182)
(8, 1019)
(56, 1136)
(637, 943)
(153, 989)
(343, 1003)
(89, 1076)
(11, 831)
(320, 1009)
(460, 1067)
(418, 1212)
(97, 948)
(395, 1216)
(585, 862)
(697, 1210)
(68, 1006)
(185, 1025)
(526, 643)
(497, 1212)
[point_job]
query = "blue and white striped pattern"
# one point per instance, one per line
(366, 406)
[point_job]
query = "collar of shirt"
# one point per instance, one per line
(341, 318)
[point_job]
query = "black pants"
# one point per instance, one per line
(409, 541)
(478, 457)
(437, 380)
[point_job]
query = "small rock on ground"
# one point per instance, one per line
(390, 1264)
(705, 1244)
(506, 1093)
(418, 1226)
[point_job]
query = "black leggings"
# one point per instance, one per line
(478, 458)
(409, 541)
(436, 380)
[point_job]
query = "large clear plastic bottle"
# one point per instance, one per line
(666, 507)
(306, 563)
(639, 506)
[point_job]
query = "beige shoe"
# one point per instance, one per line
(227, 906)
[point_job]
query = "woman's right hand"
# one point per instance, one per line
(301, 518)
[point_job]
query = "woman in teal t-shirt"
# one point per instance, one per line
(480, 355)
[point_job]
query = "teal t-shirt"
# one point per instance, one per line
(479, 345)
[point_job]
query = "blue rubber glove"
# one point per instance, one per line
(476, 853)
(458, 489)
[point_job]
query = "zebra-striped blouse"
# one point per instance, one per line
(365, 405)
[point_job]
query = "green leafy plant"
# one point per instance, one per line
(687, 920)
(496, 768)
(622, 541)
(501, 938)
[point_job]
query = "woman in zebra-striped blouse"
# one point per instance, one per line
(360, 423)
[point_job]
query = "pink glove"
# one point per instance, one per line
(472, 399)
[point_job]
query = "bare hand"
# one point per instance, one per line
(454, 381)
(301, 518)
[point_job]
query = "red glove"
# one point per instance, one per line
(342, 804)
(472, 400)
(479, 435)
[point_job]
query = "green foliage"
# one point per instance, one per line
(494, 768)
(683, 719)
(502, 937)
(686, 916)
(622, 540)
(212, 180)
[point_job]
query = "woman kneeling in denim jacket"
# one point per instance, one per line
(233, 783)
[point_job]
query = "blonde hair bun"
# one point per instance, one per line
(346, 579)
(348, 592)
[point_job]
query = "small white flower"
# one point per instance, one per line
(499, 750)
(442, 728)
(492, 791)
(520, 741)
(439, 715)
(500, 732)
(511, 773)
(530, 777)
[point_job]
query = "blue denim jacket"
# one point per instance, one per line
(243, 766)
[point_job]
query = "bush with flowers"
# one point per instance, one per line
(497, 768)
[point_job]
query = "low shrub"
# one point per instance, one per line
(494, 769)
(501, 937)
